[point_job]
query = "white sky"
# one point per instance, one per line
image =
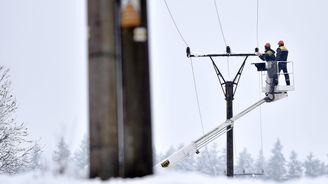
(43, 42)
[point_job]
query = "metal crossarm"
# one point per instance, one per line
(221, 55)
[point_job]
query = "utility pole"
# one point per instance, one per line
(102, 18)
(229, 85)
(119, 89)
(229, 90)
(138, 160)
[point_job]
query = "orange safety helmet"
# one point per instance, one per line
(267, 45)
(281, 43)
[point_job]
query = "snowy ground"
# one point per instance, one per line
(163, 178)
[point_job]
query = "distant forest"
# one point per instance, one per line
(212, 161)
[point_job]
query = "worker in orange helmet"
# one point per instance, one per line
(282, 54)
(271, 66)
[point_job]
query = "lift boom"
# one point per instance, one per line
(194, 146)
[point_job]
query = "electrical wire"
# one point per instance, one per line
(175, 24)
(196, 92)
(260, 81)
(191, 64)
(220, 24)
(222, 33)
(257, 23)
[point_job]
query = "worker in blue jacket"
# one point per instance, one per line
(268, 54)
(282, 54)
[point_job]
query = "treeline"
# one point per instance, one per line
(18, 154)
(212, 161)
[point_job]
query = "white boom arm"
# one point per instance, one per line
(194, 146)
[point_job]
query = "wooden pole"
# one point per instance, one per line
(138, 160)
(102, 89)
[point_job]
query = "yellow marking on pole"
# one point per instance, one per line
(130, 17)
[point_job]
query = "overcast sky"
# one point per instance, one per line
(44, 43)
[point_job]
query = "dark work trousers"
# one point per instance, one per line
(283, 66)
(272, 75)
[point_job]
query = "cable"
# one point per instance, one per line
(197, 98)
(260, 109)
(176, 26)
(218, 15)
(260, 81)
(235, 152)
(222, 33)
(191, 63)
(257, 23)
(228, 65)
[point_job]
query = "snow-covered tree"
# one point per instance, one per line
(312, 166)
(36, 157)
(276, 167)
(245, 162)
(61, 157)
(209, 161)
(259, 163)
(81, 158)
(15, 148)
(81, 155)
(294, 166)
(323, 170)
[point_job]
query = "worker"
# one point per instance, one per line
(271, 66)
(282, 54)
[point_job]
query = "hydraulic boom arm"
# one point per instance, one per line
(194, 146)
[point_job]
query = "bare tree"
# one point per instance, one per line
(15, 149)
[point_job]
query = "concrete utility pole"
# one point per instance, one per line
(138, 160)
(103, 89)
(120, 119)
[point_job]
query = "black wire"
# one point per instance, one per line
(176, 26)
(257, 23)
(218, 15)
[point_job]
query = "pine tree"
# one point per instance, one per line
(36, 157)
(312, 166)
(245, 162)
(294, 166)
(260, 163)
(222, 162)
(276, 169)
(61, 156)
(208, 161)
(81, 155)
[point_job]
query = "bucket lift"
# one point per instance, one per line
(281, 87)
(280, 91)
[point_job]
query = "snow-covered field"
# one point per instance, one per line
(163, 178)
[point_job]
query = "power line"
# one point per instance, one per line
(257, 23)
(191, 64)
(257, 45)
(220, 24)
(176, 26)
(197, 98)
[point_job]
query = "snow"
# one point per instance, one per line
(161, 178)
